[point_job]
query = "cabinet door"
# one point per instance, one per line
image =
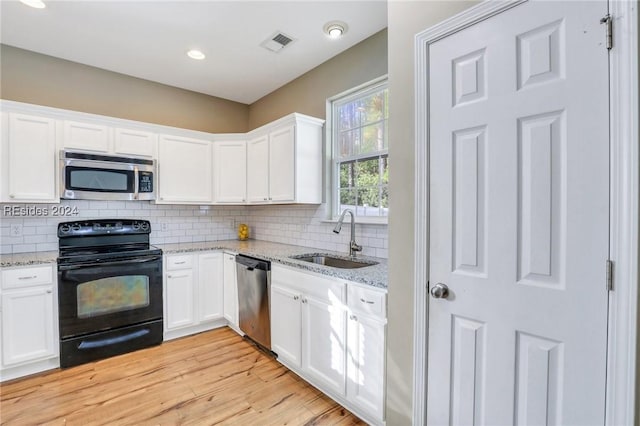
(230, 182)
(86, 136)
(134, 142)
(31, 159)
(230, 289)
(28, 331)
(184, 169)
(323, 347)
(366, 364)
(282, 164)
(210, 285)
(258, 170)
(286, 324)
(178, 296)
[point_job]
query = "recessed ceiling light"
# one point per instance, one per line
(195, 54)
(335, 29)
(38, 4)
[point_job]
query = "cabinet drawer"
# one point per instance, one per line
(180, 261)
(327, 289)
(25, 277)
(360, 299)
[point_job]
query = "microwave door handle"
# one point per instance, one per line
(136, 182)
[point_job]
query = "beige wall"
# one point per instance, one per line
(308, 93)
(44, 80)
(405, 19)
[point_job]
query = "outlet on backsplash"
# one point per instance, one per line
(16, 230)
(164, 227)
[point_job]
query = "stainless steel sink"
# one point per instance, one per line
(336, 262)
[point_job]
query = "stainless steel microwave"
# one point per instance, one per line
(87, 176)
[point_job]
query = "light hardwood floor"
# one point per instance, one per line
(210, 378)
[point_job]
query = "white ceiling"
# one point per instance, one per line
(149, 39)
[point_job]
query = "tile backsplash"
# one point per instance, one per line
(33, 227)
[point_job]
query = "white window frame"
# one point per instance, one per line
(332, 170)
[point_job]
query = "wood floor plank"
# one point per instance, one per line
(212, 378)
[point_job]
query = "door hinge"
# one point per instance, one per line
(609, 275)
(608, 21)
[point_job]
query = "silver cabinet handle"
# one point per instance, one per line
(180, 263)
(367, 301)
(296, 297)
(439, 291)
(49, 291)
(178, 276)
(353, 317)
(28, 278)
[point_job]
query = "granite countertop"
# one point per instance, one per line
(375, 275)
(28, 259)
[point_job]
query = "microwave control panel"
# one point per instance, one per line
(145, 183)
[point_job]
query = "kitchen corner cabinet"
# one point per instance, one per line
(29, 159)
(231, 290)
(284, 161)
(193, 293)
(184, 170)
(29, 328)
(230, 171)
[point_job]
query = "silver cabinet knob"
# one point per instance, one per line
(439, 291)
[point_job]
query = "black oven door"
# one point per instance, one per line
(105, 295)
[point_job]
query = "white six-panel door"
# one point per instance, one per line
(519, 180)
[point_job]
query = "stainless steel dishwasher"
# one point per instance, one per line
(254, 286)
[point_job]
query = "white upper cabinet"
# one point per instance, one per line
(134, 142)
(86, 136)
(230, 171)
(28, 158)
(102, 138)
(184, 170)
(285, 160)
(258, 169)
(282, 149)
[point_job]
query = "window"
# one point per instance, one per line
(360, 151)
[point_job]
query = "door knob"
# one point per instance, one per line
(439, 291)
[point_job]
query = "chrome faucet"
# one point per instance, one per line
(353, 247)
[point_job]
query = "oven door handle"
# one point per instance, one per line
(117, 262)
(94, 344)
(136, 182)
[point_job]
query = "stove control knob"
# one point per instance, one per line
(145, 226)
(65, 228)
(76, 227)
(136, 225)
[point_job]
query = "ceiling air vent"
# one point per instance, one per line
(276, 42)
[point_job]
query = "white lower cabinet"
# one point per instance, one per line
(193, 293)
(366, 350)
(230, 291)
(29, 325)
(210, 284)
(286, 322)
(324, 338)
(333, 334)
